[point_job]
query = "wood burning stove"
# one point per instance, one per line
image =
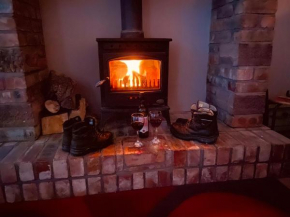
(133, 64)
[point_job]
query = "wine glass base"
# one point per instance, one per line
(155, 141)
(138, 144)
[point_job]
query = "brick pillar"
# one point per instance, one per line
(240, 56)
(22, 69)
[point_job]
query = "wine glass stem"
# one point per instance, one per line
(156, 131)
(138, 136)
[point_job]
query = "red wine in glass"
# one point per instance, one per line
(137, 125)
(155, 122)
(137, 122)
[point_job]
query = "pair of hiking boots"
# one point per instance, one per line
(82, 137)
(201, 127)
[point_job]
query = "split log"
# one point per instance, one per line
(81, 111)
(53, 124)
(52, 106)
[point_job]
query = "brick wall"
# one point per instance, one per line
(240, 56)
(22, 69)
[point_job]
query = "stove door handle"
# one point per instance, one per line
(100, 83)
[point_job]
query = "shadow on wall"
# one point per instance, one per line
(71, 27)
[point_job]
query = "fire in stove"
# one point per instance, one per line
(134, 74)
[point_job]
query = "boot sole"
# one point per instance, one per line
(203, 139)
(81, 152)
(65, 148)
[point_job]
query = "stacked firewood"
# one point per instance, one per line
(61, 103)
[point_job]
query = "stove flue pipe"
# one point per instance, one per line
(131, 12)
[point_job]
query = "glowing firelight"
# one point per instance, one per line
(133, 66)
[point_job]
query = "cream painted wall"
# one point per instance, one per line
(71, 27)
(279, 79)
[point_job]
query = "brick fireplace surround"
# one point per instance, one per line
(239, 60)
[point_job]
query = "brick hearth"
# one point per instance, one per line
(40, 170)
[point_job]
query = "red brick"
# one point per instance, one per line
(46, 190)
(76, 166)
(62, 188)
(208, 174)
(138, 180)
(179, 151)
(8, 170)
(268, 22)
(251, 148)
(151, 179)
(277, 145)
(222, 173)
(178, 177)
(60, 166)
(93, 163)
(261, 73)
(179, 158)
(225, 11)
(260, 35)
(5, 149)
(238, 148)
(235, 172)
(110, 183)
(12, 193)
(125, 182)
(261, 170)
(164, 177)
(265, 147)
(220, 37)
(43, 164)
(12, 83)
(119, 156)
(277, 153)
(30, 192)
(192, 175)
(209, 154)
(79, 187)
(275, 169)
(193, 153)
(94, 185)
(169, 158)
(223, 152)
(244, 120)
(109, 160)
(247, 87)
(285, 140)
(248, 171)
(256, 7)
(135, 156)
(25, 165)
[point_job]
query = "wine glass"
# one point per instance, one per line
(137, 122)
(155, 120)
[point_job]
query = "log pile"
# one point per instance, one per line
(61, 103)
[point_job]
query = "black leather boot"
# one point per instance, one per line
(87, 139)
(201, 127)
(67, 132)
